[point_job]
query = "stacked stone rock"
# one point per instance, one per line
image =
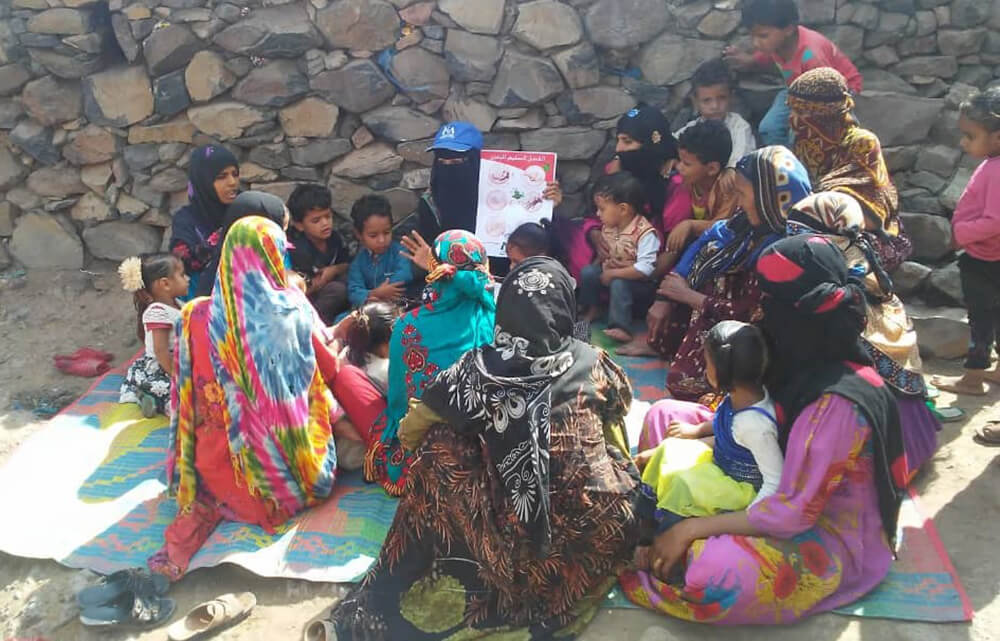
(102, 100)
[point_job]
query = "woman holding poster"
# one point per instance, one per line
(453, 198)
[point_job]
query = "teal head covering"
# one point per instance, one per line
(457, 316)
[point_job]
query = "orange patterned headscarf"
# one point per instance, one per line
(839, 154)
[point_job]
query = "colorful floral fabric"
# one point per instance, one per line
(268, 390)
(821, 547)
(458, 316)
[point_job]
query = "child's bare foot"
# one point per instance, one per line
(638, 347)
(968, 384)
(641, 558)
(617, 334)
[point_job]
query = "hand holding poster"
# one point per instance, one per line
(511, 184)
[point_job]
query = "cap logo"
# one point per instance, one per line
(447, 132)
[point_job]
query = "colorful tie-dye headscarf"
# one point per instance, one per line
(277, 406)
(458, 316)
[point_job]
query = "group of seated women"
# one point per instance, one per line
(504, 435)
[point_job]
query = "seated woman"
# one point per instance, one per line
(453, 196)
(825, 537)
(720, 283)
(457, 316)
(646, 149)
(253, 424)
(520, 506)
(248, 203)
(213, 184)
(841, 156)
(889, 337)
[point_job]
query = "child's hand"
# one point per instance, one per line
(606, 277)
(642, 458)
(614, 166)
(679, 236)
(683, 430)
(388, 291)
(737, 58)
(295, 279)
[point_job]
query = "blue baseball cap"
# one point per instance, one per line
(457, 136)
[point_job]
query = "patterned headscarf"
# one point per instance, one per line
(840, 155)
(505, 391)
(647, 126)
(277, 406)
(779, 181)
(814, 314)
(457, 316)
(839, 217)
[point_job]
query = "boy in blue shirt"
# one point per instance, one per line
(379, 271)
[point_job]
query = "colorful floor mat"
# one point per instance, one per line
(921, 586)
(88, 491)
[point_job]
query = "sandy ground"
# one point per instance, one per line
(46, 314)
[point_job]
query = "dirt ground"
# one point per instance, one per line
(50, 313)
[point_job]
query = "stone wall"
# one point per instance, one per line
(101, 101)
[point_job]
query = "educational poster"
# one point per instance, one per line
(511, 184)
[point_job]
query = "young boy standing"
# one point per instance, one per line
(711, 98)
(318, 252)
(779, 39)
(976, 225)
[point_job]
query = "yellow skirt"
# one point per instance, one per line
(688, 483)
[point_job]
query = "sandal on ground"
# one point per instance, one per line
(948, 414)
(130, 610)
(138, 581)
(321, 630)
(988, 436)
(212, 616)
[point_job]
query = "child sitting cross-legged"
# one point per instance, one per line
(156, 282)
(691, 478)
(625, 274)
(379, 271)
(318, 251)
(711, 96)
